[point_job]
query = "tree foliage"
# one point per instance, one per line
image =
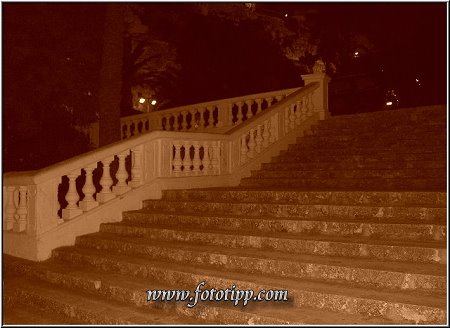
(50, 84)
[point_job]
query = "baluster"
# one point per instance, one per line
(269, 101)
(177, 163)
(206, 162)
(239, 114)
(121, 186)
(125, 130)
(72, 198)
(229, 117)
(129, 131)
(286, 119)
(266, 134)
(167, 125)
(309, 105)
(258, 139)
(249, 108)
(105, 194)
(193, 121)
(298, 113)
(273, 129)
(175, 124)
(136, 168)
(251, 144)
(145, 127)
(210, 117)
(196, 162)
(244, 148)
(22, 210)
(136, 127)
(215, 162)
(259, 103)
(279, 98)
(187, 162)
(304, 109)
(292, 117)
(184, 123)
(201, 120)
(88, 201)
(10, 208)
(144, 121)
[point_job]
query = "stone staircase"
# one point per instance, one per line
(351, 221)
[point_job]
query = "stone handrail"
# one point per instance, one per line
(215, 116)
(50, 207)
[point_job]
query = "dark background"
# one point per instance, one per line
(51, 59)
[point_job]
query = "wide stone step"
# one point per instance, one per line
(353, 174)
(90, 307)
(320, 130)
(156, 275)
(345, 123)
(356, 272)
(370, 142)
(384, 230)
(351, 165)
(304, 211)
(296, 197)
(362, 247)
(430, 132)
(302, 294)
(17, 313)
(405, 116)
(311, 156)
(399, 150)
(58, 305)
(394, 184)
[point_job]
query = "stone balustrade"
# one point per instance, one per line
(214, 116)
(208, 115)
(48, 208)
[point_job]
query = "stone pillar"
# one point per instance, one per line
(320, 96)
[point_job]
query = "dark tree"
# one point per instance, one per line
(50, 61)
(111, 74)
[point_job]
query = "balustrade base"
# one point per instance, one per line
(19, 226)
(119, 190)
(134, 184)
(88, 205)
(8, 225)
(103, 198)
(68, 214)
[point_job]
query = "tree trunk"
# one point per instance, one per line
(111, 75)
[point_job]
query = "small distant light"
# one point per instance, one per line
(285, 15)
(89, 93)
(153, 102)
(356, 54)
(250, 6)
(417, 80)
(141, 100)
(389, 103)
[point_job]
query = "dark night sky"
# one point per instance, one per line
(410, 39)
(414, 33)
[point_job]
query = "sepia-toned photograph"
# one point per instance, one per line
(224, 163)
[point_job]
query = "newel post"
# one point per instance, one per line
(320, 95)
